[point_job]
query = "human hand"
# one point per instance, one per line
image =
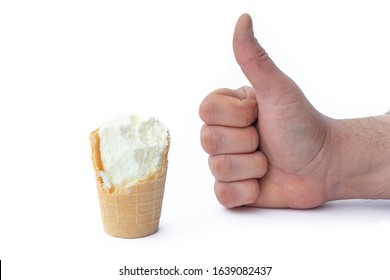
(268, 146)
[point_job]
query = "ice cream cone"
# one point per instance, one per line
(130, 212)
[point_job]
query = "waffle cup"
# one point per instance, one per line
(130, 212)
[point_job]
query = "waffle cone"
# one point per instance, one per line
(130, 212)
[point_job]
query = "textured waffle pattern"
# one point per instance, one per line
(136, 213)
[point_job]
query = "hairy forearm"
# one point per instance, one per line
(362, 167)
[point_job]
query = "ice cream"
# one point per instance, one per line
(130, 158)
(131, 149)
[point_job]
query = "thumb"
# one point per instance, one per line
(269, 82)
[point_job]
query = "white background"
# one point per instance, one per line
(67, 66)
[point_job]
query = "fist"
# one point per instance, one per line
(231, 138)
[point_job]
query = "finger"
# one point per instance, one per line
(229, 140)
(236, 167)
(233, 194)
(235, 108)
(275, 191)
(271, 84)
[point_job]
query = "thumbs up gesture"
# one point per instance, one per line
(268, 146)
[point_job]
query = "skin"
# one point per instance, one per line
(269, 147)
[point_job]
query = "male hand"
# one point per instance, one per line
(268, 146)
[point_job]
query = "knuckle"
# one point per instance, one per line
(225, 194)
(258, 56)
(263, 165)
(253, 138)
(209, 107)
(206, 110)
(221, 167)
(249, 92)
(246, 115)
(254, 192)
(247, 110)
(209, 139)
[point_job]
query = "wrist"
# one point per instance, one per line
(361, 159)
